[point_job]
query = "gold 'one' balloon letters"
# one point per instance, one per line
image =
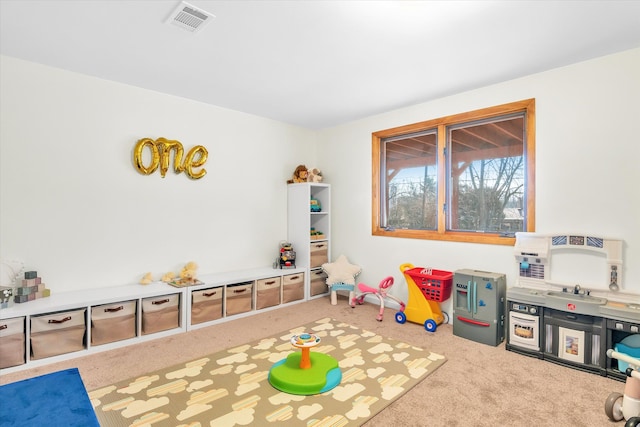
(161, 150)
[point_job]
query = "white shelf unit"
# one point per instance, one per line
(86, 299)
(300, 220)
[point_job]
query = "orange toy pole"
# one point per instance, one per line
(305, 358)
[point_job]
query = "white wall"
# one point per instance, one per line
(587, 173)
(74, 208)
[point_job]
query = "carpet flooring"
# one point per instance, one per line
(479, 385)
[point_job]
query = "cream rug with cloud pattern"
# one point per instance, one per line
(231, 388)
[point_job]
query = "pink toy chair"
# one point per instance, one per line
(381, 293)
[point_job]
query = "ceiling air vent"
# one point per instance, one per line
(189, 17)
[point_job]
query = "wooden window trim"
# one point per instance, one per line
(441, 233)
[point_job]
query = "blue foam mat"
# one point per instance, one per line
(52, 400)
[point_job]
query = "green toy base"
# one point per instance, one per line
(287, 376)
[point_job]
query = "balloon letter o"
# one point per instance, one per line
(137, 156)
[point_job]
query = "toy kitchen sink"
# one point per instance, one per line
(571, 325)
(574, 302)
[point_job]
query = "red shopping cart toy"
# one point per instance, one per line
(427, 288)
(381, 293)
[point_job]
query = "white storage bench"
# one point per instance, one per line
(139, 312)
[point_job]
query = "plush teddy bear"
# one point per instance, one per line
(314, 175)
(168, 277)
(146, 279)
(299, 175)
(188, 272)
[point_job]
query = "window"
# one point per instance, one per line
(468, 177)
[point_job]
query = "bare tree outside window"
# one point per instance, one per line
(412, 203)
(468, 177)
(486, 171)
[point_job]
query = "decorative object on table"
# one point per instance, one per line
(5, 296)
(314, 205)
(299, 175)
(146, 279)
(167, 277)
(188, 272)
(314, 175)
(382, 292)
(186, 277)
(181, 283)
(316, 235)
(287, 258)
(341, 276)
(31, 288)
(10, 270)
(305, 373)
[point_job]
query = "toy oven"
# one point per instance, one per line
(524, 326)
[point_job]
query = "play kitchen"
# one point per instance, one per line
(573, 313)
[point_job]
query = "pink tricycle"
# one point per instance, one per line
(381, 293)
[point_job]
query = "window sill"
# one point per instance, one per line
(466, 237)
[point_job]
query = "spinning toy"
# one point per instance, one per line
(304, 372)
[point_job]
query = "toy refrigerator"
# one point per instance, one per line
(479, 306)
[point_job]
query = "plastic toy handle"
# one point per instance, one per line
(386, 283)
(475, 297)
(406, 266)
(473, 321)
(625, 358)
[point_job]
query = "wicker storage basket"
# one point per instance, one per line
(292, 287)
(160, 313)
(238, 298)
(318, 283)
(206, 305)
(319, 254)
(268, 292)
(58, 333)
(12, 342)
(113, 322)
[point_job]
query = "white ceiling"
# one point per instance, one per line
(316, 64)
